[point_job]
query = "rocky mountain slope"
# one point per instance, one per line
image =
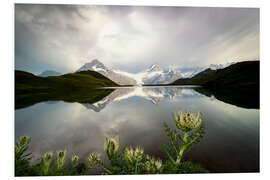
(97, 66)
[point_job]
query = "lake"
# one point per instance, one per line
(136, 115)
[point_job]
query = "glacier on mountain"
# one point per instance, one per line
(153, 75)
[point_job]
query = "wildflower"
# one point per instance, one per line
(187, 121)
(74, 159)
(24, 140)
(132, 155)
(94, 159)
(111, 146)
(158, 163)
(61, 158)
(47, 159)
(138, 150)
(148, 166)
(152, 160)
(151, 165)
(129, 155)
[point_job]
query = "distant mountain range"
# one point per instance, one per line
(156, 75)
(238, 81)
(153, 75)
(48, 73)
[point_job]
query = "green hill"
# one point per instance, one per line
(74, 87)
(27, 82)
(238, 84)
(239, 75)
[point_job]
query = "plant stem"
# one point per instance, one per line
(179, 157)
(136, 166)
(105, 168)
(185, 138)
(182, 149)
(173, 145)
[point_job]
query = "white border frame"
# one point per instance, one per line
(7, 83)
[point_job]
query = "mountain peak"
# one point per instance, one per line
(94, 65)
(95, 61)
(154, 67)
(49, 73)
(155, 74)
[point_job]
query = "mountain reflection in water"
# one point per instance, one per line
(136, 115)
(152, 94)
(157, 94)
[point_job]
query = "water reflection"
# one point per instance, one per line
(231, 142)
(152, 94)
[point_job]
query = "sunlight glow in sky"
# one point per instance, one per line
(64, 37)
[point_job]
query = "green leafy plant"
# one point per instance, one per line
(48, 165)
(74, 160)
(129, 160)
(134, 161)
(191, 125)
(22, 158)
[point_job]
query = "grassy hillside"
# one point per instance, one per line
(26, 82)
(239, 75)
(74, 87)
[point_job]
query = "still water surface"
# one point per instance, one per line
(136, 115)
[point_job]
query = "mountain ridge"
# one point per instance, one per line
(241, 74)
(48, 73)
(155, 74)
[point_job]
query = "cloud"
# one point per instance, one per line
(64, 37)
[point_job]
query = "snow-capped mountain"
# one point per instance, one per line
(94, 65)
(149, 75)
(190, 72)
(156, 75)
(48, 73)
(97, 66)
(153, 75)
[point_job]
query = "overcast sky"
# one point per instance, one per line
(64, 37)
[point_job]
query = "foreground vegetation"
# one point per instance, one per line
(190, 130)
